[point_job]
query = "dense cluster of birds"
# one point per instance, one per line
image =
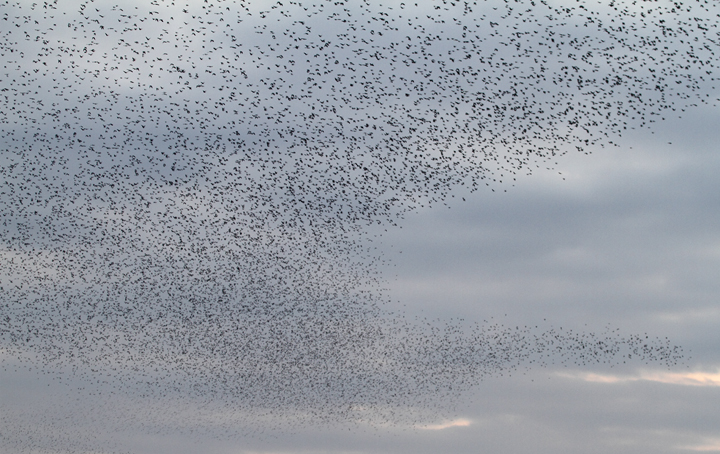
(186, 188)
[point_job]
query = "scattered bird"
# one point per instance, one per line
(187, 189)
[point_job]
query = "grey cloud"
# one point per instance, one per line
(190, 195)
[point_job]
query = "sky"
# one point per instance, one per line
(620, 238)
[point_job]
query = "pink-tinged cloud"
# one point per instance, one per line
(712, 446)
(447, 425)
(672, 378)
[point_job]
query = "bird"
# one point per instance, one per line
(187, 192)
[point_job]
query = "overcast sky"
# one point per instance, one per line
(624, 237)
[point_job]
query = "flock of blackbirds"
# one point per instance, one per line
(186, 188)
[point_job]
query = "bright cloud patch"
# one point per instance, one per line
(673, 378)
(710, 446)
(446, 425)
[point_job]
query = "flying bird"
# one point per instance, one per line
(186, 190)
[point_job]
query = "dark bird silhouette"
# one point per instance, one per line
(186, 190)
